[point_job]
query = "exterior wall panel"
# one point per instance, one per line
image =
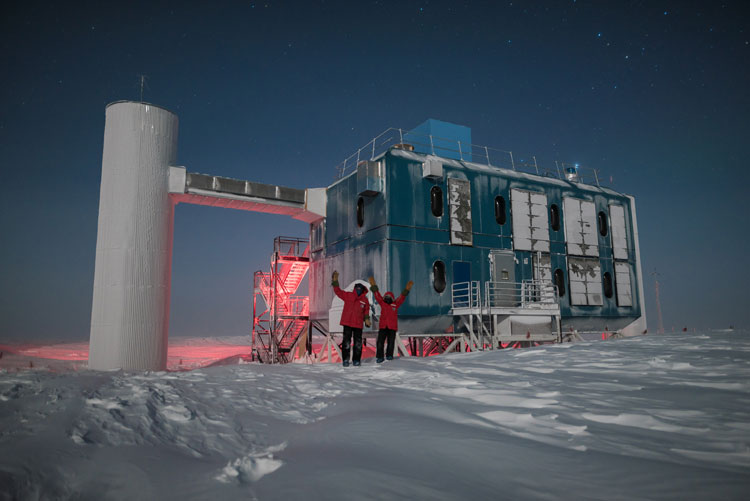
(618, 231)
(623, 285)
(459, 192)
(585, 281)
(580, 227)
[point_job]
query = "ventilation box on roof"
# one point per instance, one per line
(369, 178)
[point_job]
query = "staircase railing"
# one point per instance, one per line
(277, 328)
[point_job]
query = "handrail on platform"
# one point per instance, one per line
(528, 294)
(452, 148)
(465, 295)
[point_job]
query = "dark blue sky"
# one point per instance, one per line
(654, 94)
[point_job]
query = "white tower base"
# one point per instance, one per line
(130, 311)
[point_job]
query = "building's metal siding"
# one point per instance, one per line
(401, 239)
(408, 203)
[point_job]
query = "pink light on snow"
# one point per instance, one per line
(182, 354)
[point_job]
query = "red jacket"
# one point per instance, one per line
(356, 308)
(389, 312)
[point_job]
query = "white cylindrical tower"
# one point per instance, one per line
(130, 311)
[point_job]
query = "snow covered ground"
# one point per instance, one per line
(652, 417)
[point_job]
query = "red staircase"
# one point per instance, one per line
(279, 317)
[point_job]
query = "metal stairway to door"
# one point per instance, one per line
(279, 316)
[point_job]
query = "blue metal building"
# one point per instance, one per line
(467, 225)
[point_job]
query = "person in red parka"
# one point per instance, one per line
(388, 318)
(356, 311)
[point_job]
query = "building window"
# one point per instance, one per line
(602, 224)
(560, 282)
(500, 210)
(436, 201)
(438, 276)
(360, 212)
(554, 217)
(607, 284)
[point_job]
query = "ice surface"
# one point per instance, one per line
(653, 417)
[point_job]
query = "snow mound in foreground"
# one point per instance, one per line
(251, 468)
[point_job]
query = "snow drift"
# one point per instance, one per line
(653, 417)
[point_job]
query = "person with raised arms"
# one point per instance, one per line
(356, 312)
(388, 324)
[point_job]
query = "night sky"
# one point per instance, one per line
(654, 94)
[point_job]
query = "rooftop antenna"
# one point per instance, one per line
(142, 80)
(660, 329)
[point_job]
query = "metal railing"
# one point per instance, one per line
(452, 148)
(465, 295)
(290, 246)
(529, 294)
(296, 306)
(277, 327)
(533, 294)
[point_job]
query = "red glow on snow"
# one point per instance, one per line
(185, 357)
(182, 354)
(68, 351)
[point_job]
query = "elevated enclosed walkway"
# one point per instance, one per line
(280, 319)
(307, 205)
